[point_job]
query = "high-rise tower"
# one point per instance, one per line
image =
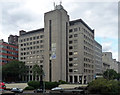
(56, 28)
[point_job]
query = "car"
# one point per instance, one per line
(2, 85)
(56, 88)
(17, 90)
(38, 91)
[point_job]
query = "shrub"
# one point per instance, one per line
(50, 85)
(34, 84)
(29, 88)
(62, 82)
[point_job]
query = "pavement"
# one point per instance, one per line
(70, 86)
(16, 85)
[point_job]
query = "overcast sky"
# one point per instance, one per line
(28, 15)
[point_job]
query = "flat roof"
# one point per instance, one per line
(80, 20)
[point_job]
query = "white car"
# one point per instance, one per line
(56, 88)
(17, 90)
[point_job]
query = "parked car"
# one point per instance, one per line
(2, 85)
(38, 91)
(56, 88)
(17, 90)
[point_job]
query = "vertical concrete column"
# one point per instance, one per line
(78, 79)
(82, 79)
(73, 79)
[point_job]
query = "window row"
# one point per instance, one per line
(88, 65)
(73, 64)
(88, 44)
(88, 71)
(31, 38)
(73, 53)
(88, 49)
(35, 62)
(75, 35)
(32, 43)
(88, 55)
(8, 47)
(35, 57)
(74, 30)
(32, 52)
(8, 52)
(73, 70)
(9, 57)
(87, 38)
(71, 41)
(88, 60)
(73, 47)
(89, 34)
(71, 59)
(32, 47)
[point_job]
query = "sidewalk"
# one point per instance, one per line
(16, 85)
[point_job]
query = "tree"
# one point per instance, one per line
(110, 74)
(118, 76)
(104, 87)
(37, 71)
(13, 70)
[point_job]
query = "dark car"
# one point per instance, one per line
(17, 90)
(38, 91)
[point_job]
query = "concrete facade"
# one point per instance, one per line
(31, 50)
(80, 52)
(65, 49)
(98, 58)
(55, 24)
(109, 62)
(13, 39)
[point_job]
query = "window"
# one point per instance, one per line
(41, 36)
(75, 29)
(70, 53)
(70, 64)
(75, 35)
(70, 42)
(34, 42)
(70, 36)
(30, 38)
(33, 38)
(41, 41)
(75, 47)
(75, 58)
(70, 70)
(70, 59)
(75, 41)
(75, 52)
(70, 30)
(27, 39)
(70, 47)
(37, 37)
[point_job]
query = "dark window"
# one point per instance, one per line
(70, 42)
(70, 30)
(70, 53)
(70, 59)
(70, 64)
(70, 47)
(70, 70)
(70, 36)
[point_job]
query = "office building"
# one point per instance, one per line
(98, 59)
(109, 62)
(8, 52)
(13, 39)
(31, 50)
(64, 48)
